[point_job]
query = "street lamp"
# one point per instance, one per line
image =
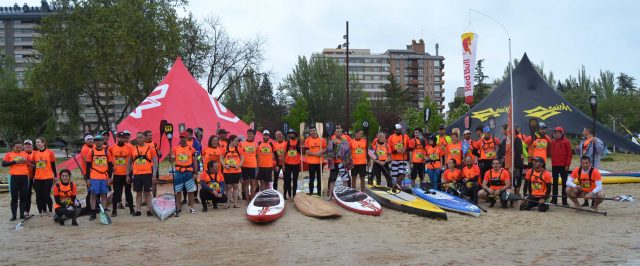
(593, 101)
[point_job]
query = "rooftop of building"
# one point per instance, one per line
(25, 11)
(415, 49)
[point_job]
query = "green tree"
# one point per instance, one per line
(396, 96)
(361, 112)
(414, 117)
(298, 114)
(458, 112)
(480, 88)
(626, 84)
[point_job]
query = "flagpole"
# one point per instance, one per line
(512, 127)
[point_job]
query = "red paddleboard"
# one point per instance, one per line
(265, 207)
(356, 201)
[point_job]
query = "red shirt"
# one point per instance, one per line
(561, 152)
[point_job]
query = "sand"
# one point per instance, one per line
(225, 236)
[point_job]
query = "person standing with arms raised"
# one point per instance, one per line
(315, 147)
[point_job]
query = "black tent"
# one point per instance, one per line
(534, 98)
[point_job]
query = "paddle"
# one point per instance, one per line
(155, 184)
(168, 131)
(19, 225)
(104, 218)
(320, 129)
(301, 144)
(567, 207)
(621, 198)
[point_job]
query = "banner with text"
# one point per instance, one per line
(469, 43)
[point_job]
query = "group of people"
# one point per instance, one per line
(455, 163)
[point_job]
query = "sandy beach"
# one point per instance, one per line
(225, 236)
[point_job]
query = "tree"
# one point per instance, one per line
(480, 89)
(626, 84)
(228, 59)
(363, 112)
(396, 96)
(298, 114)
(104, 49)
(458, 112)
(321, 82)
(194, 47)
(414, 117)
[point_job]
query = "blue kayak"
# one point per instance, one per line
(447, 201)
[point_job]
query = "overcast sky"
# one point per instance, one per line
(562, 34)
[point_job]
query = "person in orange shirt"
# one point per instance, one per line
(99, 171)
(279, 145)
(143, 161)
(186, 170)
(381, 160)
(267, 158)
(487, 146)
(249, 150)
(359, 157)
(399, 142)
(291, 164)
(120, 157)
(589, 184)
(315, 147)
(66, 206)
(18, 162)
(539, 143)
(231, 160)
(44, 162)
(84, 152)
(451, 177)
(496, 183)
(433, 162)
(538, 179)
(470, 178)
(222, 136)
(418, 156)
(454, 149)
(212, 152)
(212, 186)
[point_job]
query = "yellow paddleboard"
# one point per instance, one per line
(405, 202)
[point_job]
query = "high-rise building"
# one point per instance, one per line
(413, 68)
(18, 30)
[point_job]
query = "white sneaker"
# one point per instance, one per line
(192, 211)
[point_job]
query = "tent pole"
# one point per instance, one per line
(513, 111)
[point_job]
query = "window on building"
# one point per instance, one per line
(437, 78)
(436, 88)
(397, 72)
(376, 77)
(421, 78)
(436, 71)
(340, 60)
(436, 63)
(421, 71)
(367, 77)
(385, 69)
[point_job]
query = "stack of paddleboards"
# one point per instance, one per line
(164, 205)
(405, 202)
(447, 201)
(356, 201)
(267, 206)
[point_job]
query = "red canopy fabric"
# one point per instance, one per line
(179, 98)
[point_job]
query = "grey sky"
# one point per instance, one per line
(562, 34)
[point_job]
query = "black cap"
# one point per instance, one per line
(121, 134)
(222, 131)
(538, 159)
(442, 127)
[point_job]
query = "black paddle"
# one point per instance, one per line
(567, 207)
(621, 198)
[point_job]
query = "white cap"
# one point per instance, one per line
(466, 132)
(88, 138)
(398, 126)
(265, 132)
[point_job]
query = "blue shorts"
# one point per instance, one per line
(99, 186)
(182, 180)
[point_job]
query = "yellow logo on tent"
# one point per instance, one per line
(546, 112)
(489, 112)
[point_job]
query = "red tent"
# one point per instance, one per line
(179, 98)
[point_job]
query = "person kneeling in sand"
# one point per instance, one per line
(212, 186)
(496, 183)
(65, 205)
(589, 184)
(538, 181)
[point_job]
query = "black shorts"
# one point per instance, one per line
(516, 179)
(264, 174)
(141, 182)
(533, 202)
(418, 170)
(248, 173)
(359, 170)
(232, 178)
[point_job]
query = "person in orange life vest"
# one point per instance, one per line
(197, 146)
(143, 163)
(279, 145)
(28, 148)
(433, 162)
(213, 152)
(249, 150)
(454, 149)
(587, 144)
(496, 183)
(339, 157)
(589, 184)
(66, 206)
(538, 179)
(291, 164)
(314, 148)
(186, 170)
(99, 171)
(44, 163)
(120, 156)
(470, 177)
(267, 160)
(451, 177)
(222, 135)
(398, 142)
(212, 186)
(232, 160)
(443, 141)
(418, 154)
(487, 146)
(561, 153)
(18, 162)
(381, 161)
(359, 156)
(539, 143)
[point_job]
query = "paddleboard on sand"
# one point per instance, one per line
(405, 202)
(164, 206)
(447, 201)
(356, 201)
(314, 206)
(265, 207)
